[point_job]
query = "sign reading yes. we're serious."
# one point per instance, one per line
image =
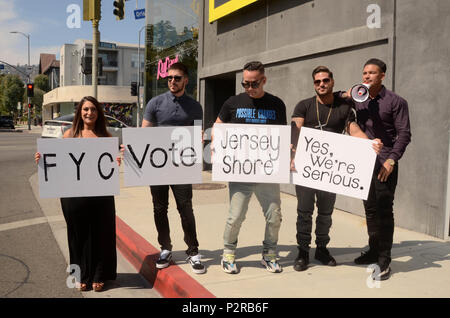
(334, 162)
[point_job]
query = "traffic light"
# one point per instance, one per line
(30, 106)
(91, 10)
(133, 88)
(30, 90)
(119, 10)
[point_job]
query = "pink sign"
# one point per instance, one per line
(164, 66)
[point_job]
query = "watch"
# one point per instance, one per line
(391, 162)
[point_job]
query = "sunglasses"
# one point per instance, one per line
(176, 78)
(252, 84)
(325, 81)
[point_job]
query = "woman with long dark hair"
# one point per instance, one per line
(91, 228)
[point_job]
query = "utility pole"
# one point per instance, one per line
(139, 80)
(96, 39)
(92, 12)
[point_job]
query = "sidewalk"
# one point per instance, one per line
(420, 265)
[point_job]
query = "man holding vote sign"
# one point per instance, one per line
(326, 112)
(175, 108)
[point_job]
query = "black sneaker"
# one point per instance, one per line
(367, 258)
(164, 259)
(324, 256)
(196, 264)
(302, 261)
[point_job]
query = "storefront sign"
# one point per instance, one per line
(334, 162)
(163, 67)
(221, 8)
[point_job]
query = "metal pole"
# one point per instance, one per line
(139, 80)
(96, 36)
(29, 81)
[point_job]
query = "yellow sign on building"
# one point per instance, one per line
(221, 8)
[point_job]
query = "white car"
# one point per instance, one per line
(55, 128)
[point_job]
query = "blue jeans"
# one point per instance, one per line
(268, 195)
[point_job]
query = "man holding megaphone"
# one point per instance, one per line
(381, 114)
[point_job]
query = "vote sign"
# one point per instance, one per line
(162, 155)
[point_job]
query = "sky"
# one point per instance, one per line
(46, 23)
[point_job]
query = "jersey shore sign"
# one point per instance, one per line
(78, 167)
(162, 155)
(251, 153)
(334, 162)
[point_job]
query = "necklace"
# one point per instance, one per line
(318, 118)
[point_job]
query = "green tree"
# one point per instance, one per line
(11, 92)
(41, 82)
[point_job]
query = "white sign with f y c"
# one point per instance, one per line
(78, 167)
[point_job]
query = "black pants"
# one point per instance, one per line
(183, 198)
(380, 216)
(306, 197)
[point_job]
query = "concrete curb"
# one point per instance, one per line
(172, 282)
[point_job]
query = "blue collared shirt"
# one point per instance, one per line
(169, 110)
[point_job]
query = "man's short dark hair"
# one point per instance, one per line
(254, 66)
(179, 66)
(378, 63)
(320, 69)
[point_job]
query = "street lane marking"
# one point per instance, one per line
(29, 222)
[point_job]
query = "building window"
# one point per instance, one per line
(134, 60)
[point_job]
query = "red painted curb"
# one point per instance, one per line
(172, 282)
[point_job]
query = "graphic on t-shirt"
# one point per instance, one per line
(255, 116)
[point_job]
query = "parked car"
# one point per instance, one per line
(7, 121)
(55, 128)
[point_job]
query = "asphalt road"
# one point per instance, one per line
(31, 263)
(33, 237)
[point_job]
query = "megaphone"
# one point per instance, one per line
(360, 92)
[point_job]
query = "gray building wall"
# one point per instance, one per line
(293, 36)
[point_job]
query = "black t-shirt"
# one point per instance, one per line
(340, 114)
(242, 109)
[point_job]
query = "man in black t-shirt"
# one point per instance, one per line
(325, 111)
(253, 107)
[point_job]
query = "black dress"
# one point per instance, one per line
(91, 233)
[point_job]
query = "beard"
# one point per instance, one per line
(177, 88)
(326, 93)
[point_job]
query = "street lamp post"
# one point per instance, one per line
(28, 80)
(139, 79)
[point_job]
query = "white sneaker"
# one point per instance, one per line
(270, 262)
(196, 264)
(228, 264)
(164, 259)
